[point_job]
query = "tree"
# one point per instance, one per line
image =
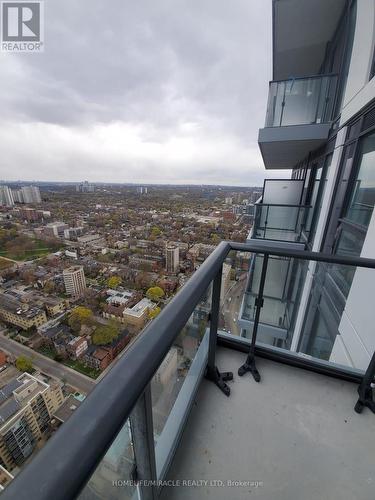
(114, 282)
(155, 293)
(105, 334)
(49, 287)
(24, 364)
(154, 312)
(80, 316)
(155, 232)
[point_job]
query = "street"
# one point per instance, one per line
(49, 366)
(231, 306)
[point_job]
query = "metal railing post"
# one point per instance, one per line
(249, 365)
(142, 429)
(366, 397)
(213, 373)
(266, 221)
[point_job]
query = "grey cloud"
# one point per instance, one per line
(163, 71)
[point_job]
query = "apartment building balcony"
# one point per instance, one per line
(279, 222)
(289, 431)
(298, 119)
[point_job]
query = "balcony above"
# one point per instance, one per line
(301, 31)
(279, 215)
(279, 222)
(298, 119)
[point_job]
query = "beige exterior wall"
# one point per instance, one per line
(21, 320)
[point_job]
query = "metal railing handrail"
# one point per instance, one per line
(308, 77)
(282, 205)
(62, 468)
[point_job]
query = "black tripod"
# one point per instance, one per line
(249, 365)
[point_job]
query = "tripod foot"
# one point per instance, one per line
(219, 379)
(369, 403)
(366, 399)
(249, 366)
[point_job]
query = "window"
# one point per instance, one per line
(372, 71)
(316, 198)
(363, 196)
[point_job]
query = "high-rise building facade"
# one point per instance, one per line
(26, 408)
(172, 258)
(6, 196)
(74, 281)
(320, 125)
(31, 194)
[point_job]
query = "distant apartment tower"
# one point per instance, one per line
(6, 196)
(17, 195)
(85, 187)
(31, 194)
(74, 280)
(141, 190)
(172, 258)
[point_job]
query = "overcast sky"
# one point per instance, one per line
(157, 91)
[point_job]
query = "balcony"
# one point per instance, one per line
(279, 222)
(299, 443)
(298, 119)
(155, 418)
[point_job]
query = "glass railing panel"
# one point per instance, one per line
(112, 479)
(279, 222)
(175, 382)
(314, 309)
(301, 101)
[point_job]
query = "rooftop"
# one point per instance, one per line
(67, 408)
(72, 269)
(139, 308)
(17, 394)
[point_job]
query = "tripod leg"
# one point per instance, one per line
(249, 365)
(219, 379)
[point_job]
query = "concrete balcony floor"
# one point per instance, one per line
(296, 431)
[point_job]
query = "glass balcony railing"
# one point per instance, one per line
(301, 101)
(279, 222)
(121, 441)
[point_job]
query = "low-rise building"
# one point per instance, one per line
(54, 306)
(76, 347)
(200, 251)
(5, 478)
(55, 229)
(68, 407)
(137, 315)
(3, 361)
(20, 314)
